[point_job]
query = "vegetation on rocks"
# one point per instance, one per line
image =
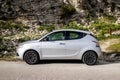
(101, 17)
(114, 47)
(67, 10)
(11, 24)
(2, 48)
(73, 25)
(8, 40)
(104, 30)
(47, 28)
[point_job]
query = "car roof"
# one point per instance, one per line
(87, 32)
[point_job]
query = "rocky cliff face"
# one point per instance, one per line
(36, 11)
(47, 12)
(43, 12)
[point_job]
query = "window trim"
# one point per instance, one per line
(66, 34)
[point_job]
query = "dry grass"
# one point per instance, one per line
(114, 47)
(9, 58)
(110, 45)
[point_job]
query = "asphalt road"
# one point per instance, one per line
(59, 70)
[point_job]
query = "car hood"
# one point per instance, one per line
(27, 42)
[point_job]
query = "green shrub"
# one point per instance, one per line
(106, 19)
(49, 28)
(10, 25)
(110, 18)
(73, 25)
(26, 27)
(67, 10)
(2, 48)
(1, 38)
(103, 28)
(114, 47)
(23, 39)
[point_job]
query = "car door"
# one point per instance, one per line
(53, 45)
(74, 43)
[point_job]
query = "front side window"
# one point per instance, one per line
(55, 36)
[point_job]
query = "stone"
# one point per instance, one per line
(1, 54)
(45, 12)
(113, 55)
(118, 21)
(34, 13)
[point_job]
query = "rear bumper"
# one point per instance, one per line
(98, 51)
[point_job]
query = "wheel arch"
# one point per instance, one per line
(88, 51)
(31, 50)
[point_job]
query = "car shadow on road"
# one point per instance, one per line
(61, 62)
(99, 63)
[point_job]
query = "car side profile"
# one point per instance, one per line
(61, 44)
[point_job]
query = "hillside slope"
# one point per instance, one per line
(22, 20)
(44, 12)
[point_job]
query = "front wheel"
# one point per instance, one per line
(90, 58)
(31, 57)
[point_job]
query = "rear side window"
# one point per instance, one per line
(75, 35)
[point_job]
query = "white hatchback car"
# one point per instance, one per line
(61, 44)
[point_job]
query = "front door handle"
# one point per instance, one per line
(62, 43)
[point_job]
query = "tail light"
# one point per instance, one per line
(97, 43)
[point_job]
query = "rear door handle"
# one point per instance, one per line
(62, 43)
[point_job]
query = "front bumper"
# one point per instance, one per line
(17, 54)
(20, 52)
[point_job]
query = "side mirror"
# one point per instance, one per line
(46, 39)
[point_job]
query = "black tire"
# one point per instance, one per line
(31, 57)
(90, 58)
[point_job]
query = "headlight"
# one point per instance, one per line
(20, 46)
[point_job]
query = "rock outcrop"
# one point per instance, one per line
(44, 12)
(34, 13)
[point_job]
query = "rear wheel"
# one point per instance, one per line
(90, 58)
(31, 57)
